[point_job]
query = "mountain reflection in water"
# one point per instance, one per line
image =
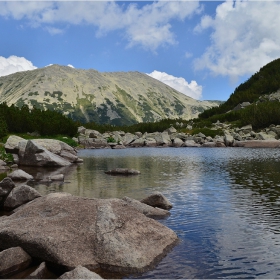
(226, 205)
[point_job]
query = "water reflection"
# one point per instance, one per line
(226, 204)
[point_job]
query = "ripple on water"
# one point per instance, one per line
(226, 205)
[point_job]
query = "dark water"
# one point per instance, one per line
(226, 204)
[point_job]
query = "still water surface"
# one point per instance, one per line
(226, 204)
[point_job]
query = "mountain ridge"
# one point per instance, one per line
(119, 98)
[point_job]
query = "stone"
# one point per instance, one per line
(40, 273)
(58, 177)
(145, 209)
(15, 158)
(140, 142)
(171, 130)
(138, 134)
(163, 139)
(81, 130)
(264, 136)
(11, 145)
(177, 142)
(19, 196)
(14, 166)
(20, 175)
(2, 163)
(229, 140)
(92, 133)
(13, 260)
(33, 154)
(157, 199)
(6, 186)
(122, 171)
(80, 272)
(128, 138)
(191, 143)
(150, 142)
(220, 144)
(258, 144)
(69, 231)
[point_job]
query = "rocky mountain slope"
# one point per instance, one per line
(119, 98)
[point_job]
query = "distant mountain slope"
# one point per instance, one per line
(119, 98)
(263, 83)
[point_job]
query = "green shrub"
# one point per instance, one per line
(5, 156)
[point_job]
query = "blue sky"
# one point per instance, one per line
(202, 48)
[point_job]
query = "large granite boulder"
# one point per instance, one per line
(80, 272)
(19, 196)
(32, 154)
(13, 260)
(157, 199)
(71, 231)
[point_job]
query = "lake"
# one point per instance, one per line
(226, 204)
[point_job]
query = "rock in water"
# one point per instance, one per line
(122, 171)
(40, 273)
(71, 231)
(157, 199)
(20, 175)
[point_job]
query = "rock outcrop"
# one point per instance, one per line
(71, 231)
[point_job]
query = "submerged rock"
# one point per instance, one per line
(71, 231)
(122, 171)
(40, 273)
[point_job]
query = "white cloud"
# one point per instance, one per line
(191, 89)
(14, 64)
(245, 37)
(147, 25)
(70, 65)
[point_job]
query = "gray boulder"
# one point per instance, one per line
(128, 138)
(177, 142)
(33, 154)
(150, 142)
(171, 130)
(71, 231)
(229, 140)
(209, 145)
(145, 209)
(13, 260)
(258, 144)
(19, 196)
(11, 145)
(139, 142)
(157, 199)
(20, 175)
(80, 272)
(191, 143)
(57, 177)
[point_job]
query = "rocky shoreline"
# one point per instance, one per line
(237, 137)
(74, 237)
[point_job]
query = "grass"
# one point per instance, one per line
(5, 156)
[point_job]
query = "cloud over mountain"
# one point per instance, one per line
(191, 89)
(14, 64)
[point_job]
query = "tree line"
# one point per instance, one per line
(46, 122)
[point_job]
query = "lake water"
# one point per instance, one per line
(226, 204)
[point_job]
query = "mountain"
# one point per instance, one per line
(255, 102)
(118, 98)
